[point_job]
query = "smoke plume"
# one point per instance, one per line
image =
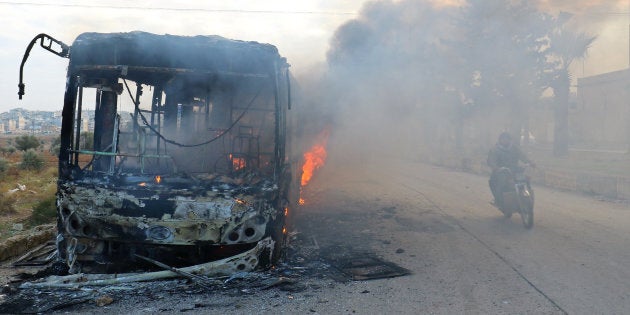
(412, 79)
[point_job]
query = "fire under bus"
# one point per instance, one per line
(195, 169)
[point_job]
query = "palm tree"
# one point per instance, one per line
(565, 47)
(503, 47)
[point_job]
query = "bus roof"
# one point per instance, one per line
(209, 54)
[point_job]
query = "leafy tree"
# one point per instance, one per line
(566, 47)
(32, 161)
(44, 211)
(7, 151)
(26, 142)
(55, 146)
(7, 203)
(503, 57)
(3, 165)
(87, 141)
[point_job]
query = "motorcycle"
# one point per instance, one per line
(517, 195)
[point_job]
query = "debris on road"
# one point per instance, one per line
(368, 268)
(201, 280)
(104, 300)
(39, 256)
(246, 261)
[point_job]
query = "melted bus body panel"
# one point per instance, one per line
(188, 159)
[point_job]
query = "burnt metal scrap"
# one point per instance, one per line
(39, 256)
(213, 212)
(310, 264)
(198, 170)
(243, 262)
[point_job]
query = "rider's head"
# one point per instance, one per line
(505, 139)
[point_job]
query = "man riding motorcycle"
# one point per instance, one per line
(504, 154)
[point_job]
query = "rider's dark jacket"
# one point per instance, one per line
(506, 156)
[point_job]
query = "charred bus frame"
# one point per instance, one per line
(199, 172)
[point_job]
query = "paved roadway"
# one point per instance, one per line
(464, 256)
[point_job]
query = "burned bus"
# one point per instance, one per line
(189, 157)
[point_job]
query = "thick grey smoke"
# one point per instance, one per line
(406, 78)
(384, 69)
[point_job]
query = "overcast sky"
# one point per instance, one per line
(300, 29)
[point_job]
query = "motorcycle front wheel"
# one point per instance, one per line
(526, 205)
(527, 215)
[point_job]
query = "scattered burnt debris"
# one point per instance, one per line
(43, 292)
(243, 262)
(39, 256)
(369, 267)
(199, 170)
(309, 265)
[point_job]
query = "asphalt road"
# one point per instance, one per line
(464, 257)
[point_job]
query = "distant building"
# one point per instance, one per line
(19, 120)
(21, 123)
(85, 124)
(541, 120)
(601, 116)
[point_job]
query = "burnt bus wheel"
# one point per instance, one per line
(60, 240)
(275, 230)
(60, 266)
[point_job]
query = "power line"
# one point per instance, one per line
(92, 6)
(606, 13)
(240, 11)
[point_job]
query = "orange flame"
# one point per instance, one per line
(158, 179)
(315, 157)
(238, 163)
(284, 228)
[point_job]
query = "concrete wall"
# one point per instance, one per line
(614, 187)
(602, 111)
